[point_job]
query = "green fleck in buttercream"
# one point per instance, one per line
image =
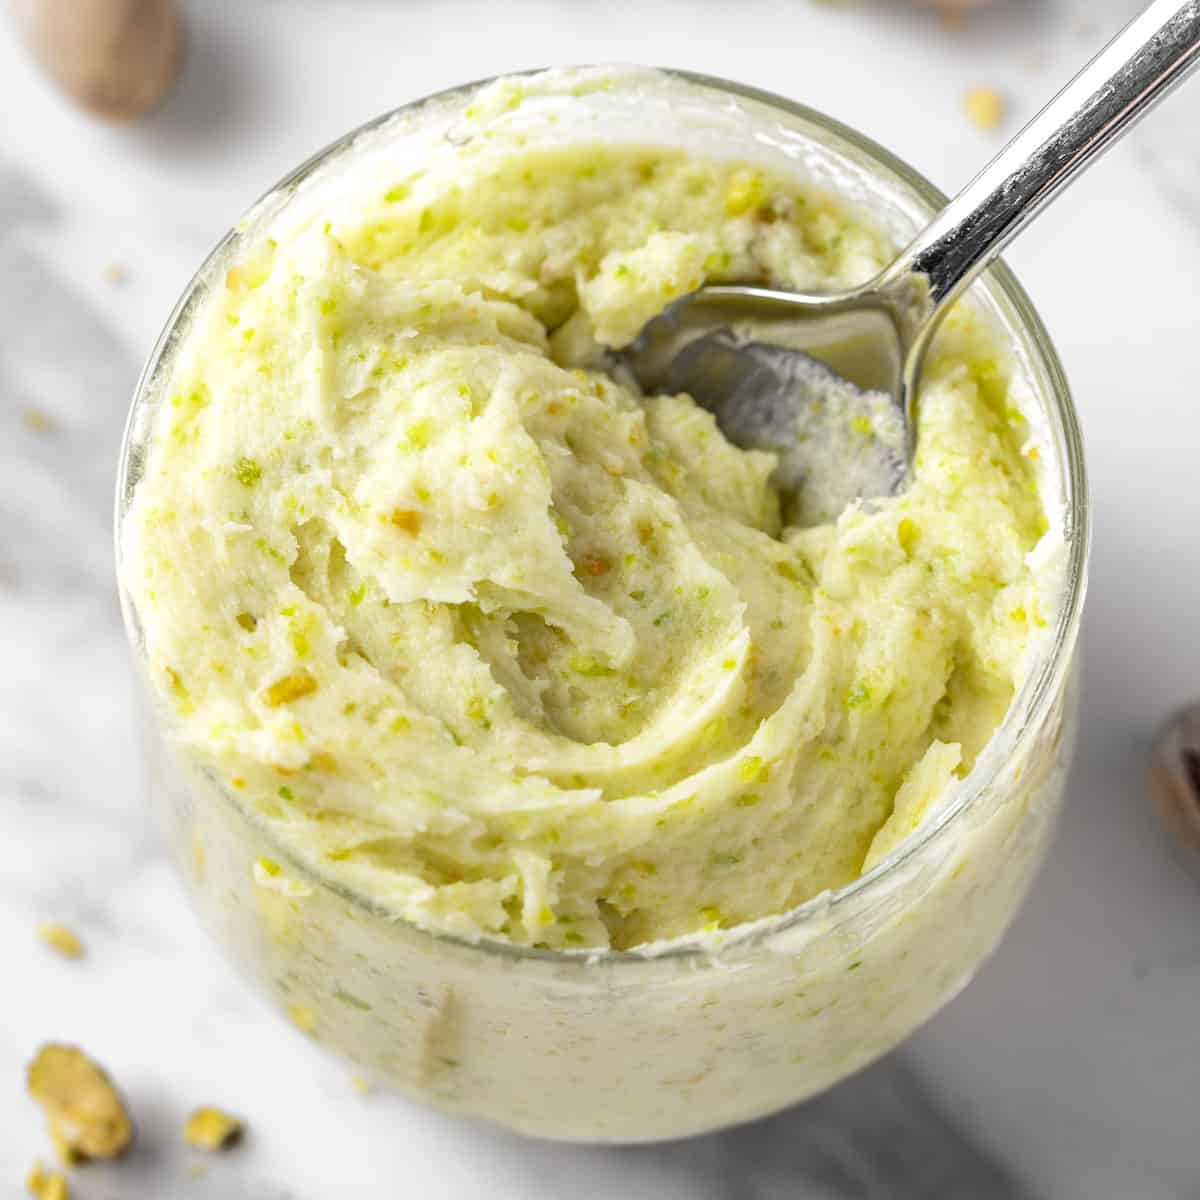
(419, 434)
(587, 664)
(750, 769)
(247, 472)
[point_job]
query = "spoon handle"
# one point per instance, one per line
(1146, 60)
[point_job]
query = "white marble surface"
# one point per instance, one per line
(1073, 1061)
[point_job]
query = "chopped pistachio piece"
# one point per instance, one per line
(407, 520)
(212, 1129)
(60, 938)
(247, 472)
(86, 1114)
(745, 193)
(46, 1185)
(291, 687)
(594, 565)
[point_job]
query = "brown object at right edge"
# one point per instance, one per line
(114, 58)
(1175, 775)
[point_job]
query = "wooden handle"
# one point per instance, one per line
(115, 58)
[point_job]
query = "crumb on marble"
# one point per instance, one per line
(47, 1185)
(116, 274)
(61, 939)
(85, 1112)
(362, 1085)
(212, 1129)
(985, 107)
(38, 420)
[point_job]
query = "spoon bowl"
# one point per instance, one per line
(817, 380)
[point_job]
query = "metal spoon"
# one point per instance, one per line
(829, 381)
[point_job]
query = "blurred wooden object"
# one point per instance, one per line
(1175, 775)
(115, 58)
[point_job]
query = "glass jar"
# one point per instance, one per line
(667, 1041)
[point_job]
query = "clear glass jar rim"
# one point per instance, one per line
(1028, 708)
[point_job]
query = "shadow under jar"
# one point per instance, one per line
(677, 1038)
